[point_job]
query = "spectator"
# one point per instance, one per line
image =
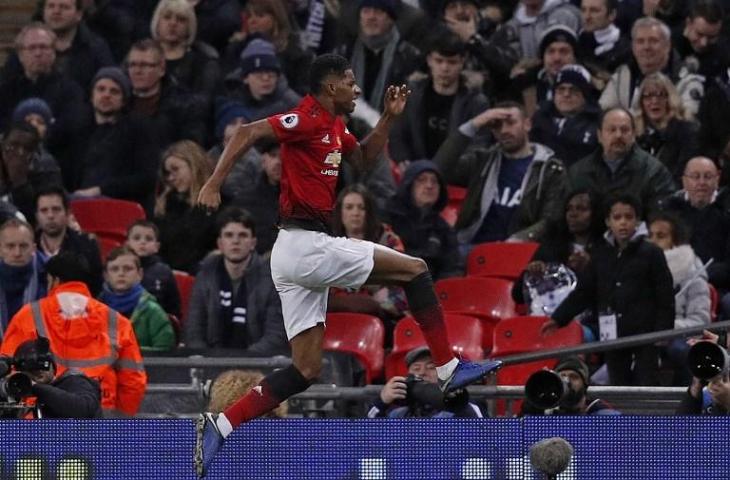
(37, 113)
(258, 83)
(37, 77)
(714, 127)
(191, 62)
(415, 215)
(379, 56)
(176, 113)
(22, 279)
(533, 17)
(701, 39)
(234, 305)
(629, 288)
(185, 168)
(651, 49)
(354, 216)
(513, 187)
(692, 297)
(568, 240)
(143, 238)
(707, 397)
(663, 129)
(82, 330)
(18, 180)
(568, 123)
(123, 291)
(705, 209)
(270, 20)
(80, 53)
(439, 103)
(601, 47)
(70, 395)
(230, 385)
(620, 165)
(261, 196)
(575, 401)
(118, 157)
(54, 234)
(218, 20)
(422, 398)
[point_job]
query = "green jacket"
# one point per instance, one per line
(152, 325)
(478, 170)
(639, 174)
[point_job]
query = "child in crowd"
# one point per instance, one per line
(124, 293)
(143, 238)
(629, 287)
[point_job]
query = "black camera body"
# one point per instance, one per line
(15, 386)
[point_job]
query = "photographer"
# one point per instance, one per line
(707, 397)
(574, 401)
(70, 395)
(419, 395)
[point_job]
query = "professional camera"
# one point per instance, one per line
(422, 394)
(707, 360)
(546, 389)
(14, 386)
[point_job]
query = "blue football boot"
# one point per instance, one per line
(207, 442)
(467, 373)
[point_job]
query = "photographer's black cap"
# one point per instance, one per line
(34, 355)
(416, 354)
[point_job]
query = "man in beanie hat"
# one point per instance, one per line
(258, 83)
(569, 122)
(36, 112)
(69, 395)
(417, 395)
(576, 378)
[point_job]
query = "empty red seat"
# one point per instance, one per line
(106, 245)
(107, 216)
(464, 332)
(359, 335)
(489, 299)
(185, 283)
(500, 259)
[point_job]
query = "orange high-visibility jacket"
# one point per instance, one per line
(94, 339)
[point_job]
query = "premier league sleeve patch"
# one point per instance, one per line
(290, 120)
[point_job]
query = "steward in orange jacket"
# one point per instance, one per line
(84, 334)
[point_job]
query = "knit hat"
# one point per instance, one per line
(259, 55)
(226, 111)
(118, 76)
(416, 354)
(577, 365)
(575, 75)
(33, 105)
(558, 33)
(388, 6)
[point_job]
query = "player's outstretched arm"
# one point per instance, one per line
(372, 145)
(244, 138)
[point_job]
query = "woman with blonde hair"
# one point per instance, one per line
(187, 234)
(662, 127)
(191, 62)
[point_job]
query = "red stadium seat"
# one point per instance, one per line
(489, 299)
(107, 216)
(185, 283)
(714, 302)
(522, 334)
(106, 245)
(456, 198)
(464, 332)
(359, 335)
(500, 259)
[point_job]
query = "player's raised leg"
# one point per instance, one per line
(392, 267)
(276, 387)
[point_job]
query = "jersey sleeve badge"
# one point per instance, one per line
(289, 121)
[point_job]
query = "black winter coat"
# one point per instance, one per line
(673, 146)
(159, 280)
(571, 138)
(71, 395)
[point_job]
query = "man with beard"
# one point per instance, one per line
(575, 401)
(513, 187)
(54, 236)
(621, 166)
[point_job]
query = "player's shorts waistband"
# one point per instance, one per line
(306, 224)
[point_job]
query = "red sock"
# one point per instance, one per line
(431, 321)
(258, 401)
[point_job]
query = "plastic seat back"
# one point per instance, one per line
(359, 335)
(107, 216)
(714, 302)
(185, 283)
(500, 259)
(106, 245)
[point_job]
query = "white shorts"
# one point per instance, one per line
(304, 264)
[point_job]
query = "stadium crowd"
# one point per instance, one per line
(595, 128)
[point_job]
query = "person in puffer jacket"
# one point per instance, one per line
(691, 290)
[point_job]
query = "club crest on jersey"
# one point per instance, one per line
(333, 159)
(290, 120)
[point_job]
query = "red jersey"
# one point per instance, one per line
(313, 142)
